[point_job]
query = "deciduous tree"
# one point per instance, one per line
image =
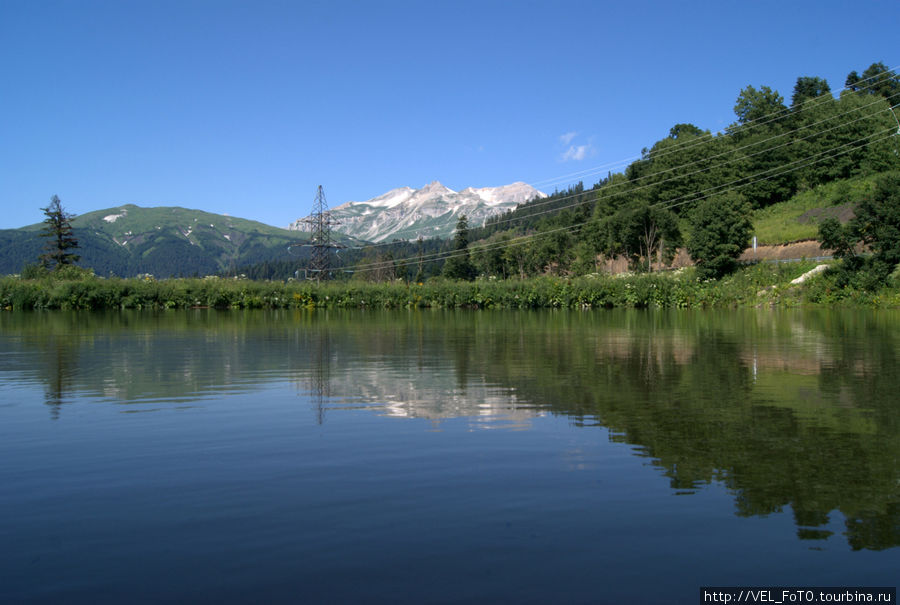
(762, 136)
(640, 232)
(719, 232)
(764, 106)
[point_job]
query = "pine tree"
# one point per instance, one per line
(58, 231)
(458, 264)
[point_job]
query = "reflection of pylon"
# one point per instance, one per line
(320, 222)
(320, 375)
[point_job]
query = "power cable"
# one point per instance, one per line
(688, 164)
(708, 139)
(702, 140)
(668, 204)
(761, 121)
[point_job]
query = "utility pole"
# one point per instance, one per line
(320, 222)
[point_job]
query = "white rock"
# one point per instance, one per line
(815, 271)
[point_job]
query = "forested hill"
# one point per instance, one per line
(164, 241)
(773, 151)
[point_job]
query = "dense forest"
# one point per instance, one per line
(692, 189)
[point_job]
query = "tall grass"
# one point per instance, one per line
(760, 284)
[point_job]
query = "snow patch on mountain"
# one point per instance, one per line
(432, 211)
(517, 193)
(392, 198)
(111, 218)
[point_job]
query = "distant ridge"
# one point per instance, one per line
(165, 241)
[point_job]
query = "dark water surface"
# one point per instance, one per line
(418, 457)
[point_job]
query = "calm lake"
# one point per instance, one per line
(423, 456)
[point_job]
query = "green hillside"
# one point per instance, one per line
(163, 241)
(799, 217)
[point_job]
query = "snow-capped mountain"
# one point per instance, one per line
(432, 211)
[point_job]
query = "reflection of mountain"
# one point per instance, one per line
(421, 394)
(786, 409)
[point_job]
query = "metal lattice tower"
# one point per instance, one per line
(320, 222)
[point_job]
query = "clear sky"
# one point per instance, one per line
(244, 108)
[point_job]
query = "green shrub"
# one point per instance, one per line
(35, 271)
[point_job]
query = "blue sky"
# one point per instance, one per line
(244, 108)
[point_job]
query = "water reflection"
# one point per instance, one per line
(319, 381)
(61, 365)
(789, 410)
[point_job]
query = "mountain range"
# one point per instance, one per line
(430, 212)
(163, 241)
(169, 241)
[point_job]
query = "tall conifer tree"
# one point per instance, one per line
(458, 264)
(58, 231)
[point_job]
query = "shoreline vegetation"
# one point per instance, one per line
(757, 285)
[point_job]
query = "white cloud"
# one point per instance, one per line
(576, 153)
(565, 139)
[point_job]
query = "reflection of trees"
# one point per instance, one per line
(134, 357)
(862, 375)
(47, 351)
(682, 388)
(461, 346)
(814, 428)
(61, 361)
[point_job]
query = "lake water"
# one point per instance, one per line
(418, 457)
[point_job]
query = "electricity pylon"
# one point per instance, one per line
(320, 222)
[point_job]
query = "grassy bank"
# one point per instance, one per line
(798, 219)
(762, 284)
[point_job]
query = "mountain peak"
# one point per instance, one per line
(435, 187)
(432, 211)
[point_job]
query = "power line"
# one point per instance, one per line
(702, 140)
(668, 204)
(707, 139)
(688, 164)
(761, 121)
